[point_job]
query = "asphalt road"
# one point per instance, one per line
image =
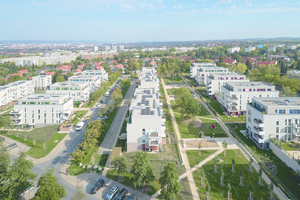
(63, 155)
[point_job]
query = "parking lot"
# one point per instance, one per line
(15, 151)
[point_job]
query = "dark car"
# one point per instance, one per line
(132, 197)
(2, 139)
(121, 195)
(11, 146)
(97, 186)
(102, 100)
(112, 192)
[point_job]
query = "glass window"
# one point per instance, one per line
(143, 131)
(277, 122)
(277, 129)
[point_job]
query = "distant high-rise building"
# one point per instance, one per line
(95, 48)
(114, 48)
(107, 48)
(234, 49)
(249, 49)
(121, 48)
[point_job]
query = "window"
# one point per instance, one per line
(39, 116)
(289, 121)
(143, 131)
(275, 110)
(280, 111)
(24, 109)
(277, 129)
(285, 129)
(283, 111)
(289, 129)
(143, 140)
(285, 122)
(296, 121)
(32, 120)
(45, 121)
(277, 122)
(52, 109)
(45, 115)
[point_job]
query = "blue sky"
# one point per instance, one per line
(145, 20)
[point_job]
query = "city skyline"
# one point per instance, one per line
(130, 20)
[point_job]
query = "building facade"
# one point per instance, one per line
(277, 118)
(202, 73)
(102, 74)
(249, 49)
(42, 109)
(236, 95)
(234, 49)
(195, 66)
(93, 81)
(80, 92)
(215, 81)
(42, 82)
(104, 54)
(148, 78)
(272, 49)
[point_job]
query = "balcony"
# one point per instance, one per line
(17, 122)
(153, 134)
(232, 98)
(262, 110)
(258, 138)
(296, 125)
(260, 131)
(153, 142)
(233, 103)
(16, 112)
(296, 132)
(232, 109)
(259, 122)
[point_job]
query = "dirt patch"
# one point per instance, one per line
(207, 143)
(194, 121)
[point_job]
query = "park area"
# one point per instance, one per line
(233, 178)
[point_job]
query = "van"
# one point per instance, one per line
(107, 94)
(79, 126)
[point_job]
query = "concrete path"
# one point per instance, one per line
(182, 150)
(111, 137)
(81, 109)
(198, 116)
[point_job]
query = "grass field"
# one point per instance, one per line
(37, 151)
(238, 192)
(193, 157)
(285, 146)
(169, 80)
(78, 117)
(203, 112)
(284, 173)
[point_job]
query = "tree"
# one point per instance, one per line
(136, 66)
(228, 187)
(286, 91)
(60, 79)
(116, 97)
(222, 178)
(49, 188)
(250, 165)
(190, 106)
(215, 163)
(224, 145)
(202, 178)
(69, 74)
(233, 163)
(271, 188)
(260, 175)
(79, 155)
(250, 191)
(241, 178)
(239, 68)
(7, 122)
(79, 193)
(169, 182)
(120, 162)
(199, 147)
(4, 161)
(208, 189)
(181, 94)
(141, 170)
(172, 49)
(17, 178)
(249, 65)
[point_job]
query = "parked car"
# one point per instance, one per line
(132, 197)
(88, 117)
(82, 139)
(101, 118)
(2, 139)
(121, 195)
(102, 101)
(11, 146)
(29, 189)
(112, 192)
(84, 121)
(97, 186)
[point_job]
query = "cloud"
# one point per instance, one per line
(205, 31)
(178, 6)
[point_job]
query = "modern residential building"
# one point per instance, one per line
(104, 54)
(79, 91)
(272, 49)
(195, 66)
(215, 81)
(93, 81)
(294, 74)
(145, 127)
(236, 95)
(148, 78)
(95, 48)
(107, 48)
(202, 73)
(114, 48)
(42, 82)
(249, 49)
(10, 93)
(273, 118)
(102, 74)
(120, 47)
(234, 49)
(42, 109)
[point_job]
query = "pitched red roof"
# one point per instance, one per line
(25, 71)
(50, 73)
(114, 61)
(153, 63)
(15, 74)
(120, 66)
(100, 67)
(76, 70)
(229, 61)
(98, 63)
(81, 66)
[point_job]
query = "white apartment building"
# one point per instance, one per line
(215, 81)
(41, 82)
(80, 92)
(273, 118)
(148, 78)
(121, 48)
(114, 48)
(12, 92)
(107, 48)
(146, 124)
(102, 74)
(42, 109)
(272, 49)
(95, 48)
(202, 73)
(236, 95)
(234, 49)
(292, 46)
(249, 49)
(195, 66)
(93, 81)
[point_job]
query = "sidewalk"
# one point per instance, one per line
(183, 151)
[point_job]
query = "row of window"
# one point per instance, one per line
(45, 121)
(39, 111)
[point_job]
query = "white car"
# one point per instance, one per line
(101, 118)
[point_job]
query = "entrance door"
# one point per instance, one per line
(143, 147)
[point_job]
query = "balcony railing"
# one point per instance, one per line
(262, 110)
(153, 134)
(232, 98)
(153, 142)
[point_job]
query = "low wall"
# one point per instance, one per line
(285, 158)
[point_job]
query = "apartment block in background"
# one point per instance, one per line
(102, 74)
(236, 95)
(80, 92)
(42, 82)
(273, 118)
(148, 78)
(234, 49)
(249, 49)
(42, 109)
(202, 73)
(93, 81)
(215, 81)
(195, 66)
(272, 49)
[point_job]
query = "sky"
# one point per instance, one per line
(148, 20)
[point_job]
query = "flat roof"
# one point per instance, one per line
(69, 83)
(227, 74)
(279, 101)
(44, 96)
(249, 84)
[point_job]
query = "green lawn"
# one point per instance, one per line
(171, 91)
(284, 173)
(92, 159)
(216, 105)
(238, 192)
(37, 151)
(193, 157)
(285, 146)
(187, 129)
(203, 112)
(88, 105)
(169, 80)
(193, 82)
(78, 117)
